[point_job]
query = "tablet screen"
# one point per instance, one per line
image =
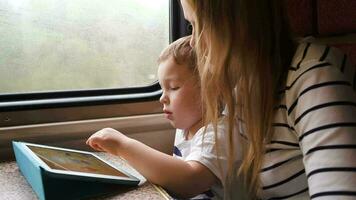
(74, 161)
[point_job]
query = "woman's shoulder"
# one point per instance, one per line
(311, 60)
(316, 67)
(309, 53)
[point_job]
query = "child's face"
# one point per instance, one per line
(181, 95)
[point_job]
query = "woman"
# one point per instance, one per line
(295, 103)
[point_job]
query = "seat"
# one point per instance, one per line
(331, 22)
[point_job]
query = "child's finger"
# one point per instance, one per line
(93, 144)
(97, 147)
(90, 142)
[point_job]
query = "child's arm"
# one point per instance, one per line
(182, 178)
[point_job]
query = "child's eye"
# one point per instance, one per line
(174, 88)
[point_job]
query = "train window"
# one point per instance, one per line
(66, 45)
(69, 60)
(71, 67)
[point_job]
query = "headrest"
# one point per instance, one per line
(322, 17)
(336, 16)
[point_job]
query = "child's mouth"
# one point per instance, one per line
(168, 115)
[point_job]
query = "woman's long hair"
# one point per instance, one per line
(244, 50)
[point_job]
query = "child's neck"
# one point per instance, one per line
(193, 129)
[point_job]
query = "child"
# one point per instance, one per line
(195, 170)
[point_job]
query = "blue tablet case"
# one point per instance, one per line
(48, 185)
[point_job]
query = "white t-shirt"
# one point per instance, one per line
(202, 148)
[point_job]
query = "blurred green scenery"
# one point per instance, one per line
(57, 45)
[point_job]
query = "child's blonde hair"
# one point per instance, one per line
(182, 54)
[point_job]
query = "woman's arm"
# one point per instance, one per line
(185, 179)
(323, 111)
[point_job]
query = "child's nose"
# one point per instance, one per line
(163, 99)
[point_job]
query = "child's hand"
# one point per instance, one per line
(107, 139)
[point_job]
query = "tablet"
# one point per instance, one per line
(79, 164)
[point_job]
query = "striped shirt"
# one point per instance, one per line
(312, 153)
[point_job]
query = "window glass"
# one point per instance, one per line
(58, 45)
